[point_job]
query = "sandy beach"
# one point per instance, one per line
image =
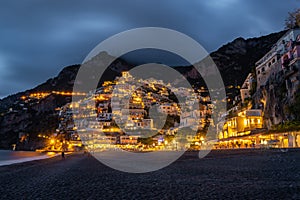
(234, 174)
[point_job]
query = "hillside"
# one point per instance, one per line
(234, 60)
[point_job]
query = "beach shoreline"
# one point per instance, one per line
(251, 174)
(22, 156)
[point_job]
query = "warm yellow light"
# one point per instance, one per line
(52, 141)
(245, 122)
(259, 121)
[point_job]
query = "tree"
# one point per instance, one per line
(294, 108)
(146, 141)
(293, 20)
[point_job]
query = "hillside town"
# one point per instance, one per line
(149, 119)
(110, 118)
(254, 121)
(263, 115)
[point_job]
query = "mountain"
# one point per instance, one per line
(38, 116)
(235, 61)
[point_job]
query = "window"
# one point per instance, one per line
(262, 69)
(258, 72)
(285, 58)
(273, 61)
(298, 38)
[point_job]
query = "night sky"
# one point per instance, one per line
(38, 38)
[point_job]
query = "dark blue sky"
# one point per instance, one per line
(38, 38)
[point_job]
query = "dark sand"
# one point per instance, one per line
(227, 174)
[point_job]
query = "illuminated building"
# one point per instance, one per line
(245, 123)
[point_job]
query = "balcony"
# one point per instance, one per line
(290, 70)
(266, 58)
(286, 62)
(294, 61)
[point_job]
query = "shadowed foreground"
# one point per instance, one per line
(247, 174)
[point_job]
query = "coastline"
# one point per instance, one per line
(214, 153)
(23, 156)
(235, 174)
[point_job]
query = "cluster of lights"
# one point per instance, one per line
(41, 95)
(43, 136)
(69, 93)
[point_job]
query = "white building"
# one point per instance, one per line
(266, 66)
(247, 87)
(291, 65)
(270, 64)
(168, 108)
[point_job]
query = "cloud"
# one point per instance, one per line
(39, 38)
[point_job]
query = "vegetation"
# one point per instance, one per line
(294, 108)
(293, 20)
(146, 141)
(286, 127)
